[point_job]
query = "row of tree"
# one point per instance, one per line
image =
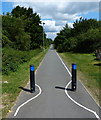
(22, 33)
(84, 37)
(22, 29)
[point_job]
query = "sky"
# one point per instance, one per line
(56, 14)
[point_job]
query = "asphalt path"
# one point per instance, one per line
(51, 102)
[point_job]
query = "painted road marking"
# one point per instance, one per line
(78, 103)
(64, 64)
(40, 91)
(72, 98)
(71, 76)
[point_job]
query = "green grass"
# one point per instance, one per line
(88, 71)
(11, 90)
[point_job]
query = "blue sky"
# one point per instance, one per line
(89, 15)
(6, 7)
(56, 15)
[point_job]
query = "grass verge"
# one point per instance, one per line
(88, 72)
(11, 90)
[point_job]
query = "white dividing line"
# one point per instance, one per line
(72, 98)
(80, 104)
(64, 64)
(40, 91)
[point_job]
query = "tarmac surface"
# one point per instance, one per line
(51, 102)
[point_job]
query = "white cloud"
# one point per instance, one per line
(21, 4)
(60, 23)
(51, 35)
(70, 25)
(57, 14)
(50, 26)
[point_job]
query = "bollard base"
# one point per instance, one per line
(74, 88)
(32, 91)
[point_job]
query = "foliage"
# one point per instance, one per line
(48, 41)
(20, 78)
(22, 29)
(83, 25)
(84, 37)
(23, 40)
(11, 59)
(21, 33)
(5, 41)
(90, 41)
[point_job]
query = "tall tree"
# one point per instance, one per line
(21, 23)
(83, 37)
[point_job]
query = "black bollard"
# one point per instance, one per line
(32, 78)
(74, 77)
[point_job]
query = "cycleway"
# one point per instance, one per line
(50, 102)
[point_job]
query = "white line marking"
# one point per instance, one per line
(80, 82)
(40, 91)
(78, 103)
(72, 98)
(64, 64)
(90, 95)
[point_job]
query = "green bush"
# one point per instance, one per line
(89, 42)
(22, 41)
(11, 59)
(5, 41)
(70, 44)
(60, 48)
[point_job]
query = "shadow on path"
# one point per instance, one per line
(24, 89)
(62, 88)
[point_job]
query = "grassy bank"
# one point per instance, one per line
(11, 59)
(11, 90)
(89, 71)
